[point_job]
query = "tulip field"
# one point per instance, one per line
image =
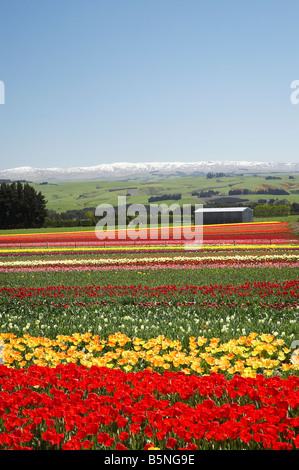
(267, 232)
(136, 346)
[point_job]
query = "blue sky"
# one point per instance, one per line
(101, 81)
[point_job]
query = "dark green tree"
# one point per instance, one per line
(21, 206)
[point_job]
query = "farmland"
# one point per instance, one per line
(140, 346)
(63, 196)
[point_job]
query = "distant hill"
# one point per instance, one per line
(79, 195)
(145, 171)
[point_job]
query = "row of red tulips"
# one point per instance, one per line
(253, 242)
(73, 407)
(289, 289)
(241, 232)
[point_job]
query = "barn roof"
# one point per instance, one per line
(222, 209)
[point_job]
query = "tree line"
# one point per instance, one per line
(165, 197)
(272, 191)
(21, 206)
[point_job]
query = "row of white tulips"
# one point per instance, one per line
(293, 258)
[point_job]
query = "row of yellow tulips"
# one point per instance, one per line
(247, 355)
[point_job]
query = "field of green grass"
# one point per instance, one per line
(83, 195)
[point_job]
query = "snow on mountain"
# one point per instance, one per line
(134, 170)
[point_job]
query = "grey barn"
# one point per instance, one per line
(226, 215)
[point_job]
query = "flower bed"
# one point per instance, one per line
(193, 358)
(246, 355)
(273, 292)
(275, 232)
(72, 407)
(160, 262)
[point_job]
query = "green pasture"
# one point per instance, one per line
(83, 195)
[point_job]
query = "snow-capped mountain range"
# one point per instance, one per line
(126, 170)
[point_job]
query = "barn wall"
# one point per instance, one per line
(248, 216)
(211, 218)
